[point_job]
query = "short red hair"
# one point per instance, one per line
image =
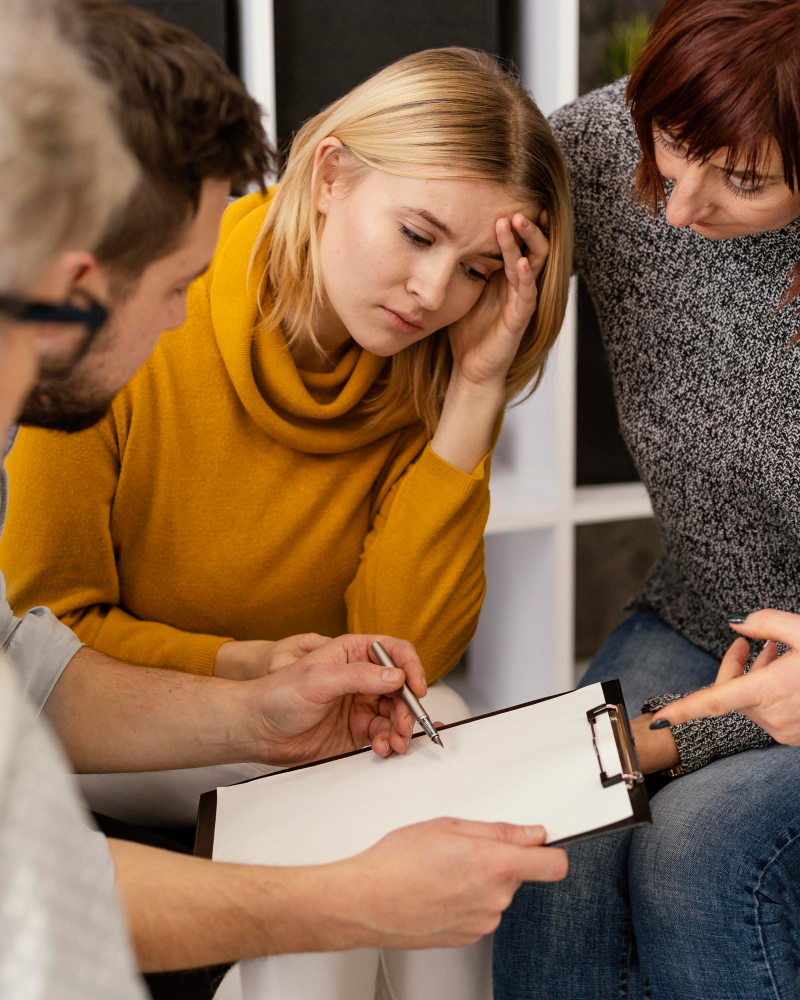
(718, 74)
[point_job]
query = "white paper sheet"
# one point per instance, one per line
(531, 765)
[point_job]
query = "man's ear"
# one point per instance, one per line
(327, 160)
(82, 271)
(64, 273)
(76, 264)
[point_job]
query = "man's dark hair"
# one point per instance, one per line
(185, 116)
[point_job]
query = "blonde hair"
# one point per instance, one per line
(444, 113)
(63, 167)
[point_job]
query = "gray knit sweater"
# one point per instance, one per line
(708, 395)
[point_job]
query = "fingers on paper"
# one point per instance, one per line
(517, 851)
(505, 833)
(379, 733)
(386, 738)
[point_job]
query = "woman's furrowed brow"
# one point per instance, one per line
(426, 215)
(448, 232)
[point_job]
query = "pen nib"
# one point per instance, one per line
(430, 730)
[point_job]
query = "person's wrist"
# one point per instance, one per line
(248, 705)
(470, 411)
(242, 661)
(655, 748)
(350, 922)
(490, 391)
(319, 908)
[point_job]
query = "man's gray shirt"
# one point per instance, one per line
(38, 644)
(62, 933)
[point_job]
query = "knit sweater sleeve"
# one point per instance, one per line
(700, 741)
(421, 573)
(61, 554)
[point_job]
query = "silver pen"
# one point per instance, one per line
(409, 697)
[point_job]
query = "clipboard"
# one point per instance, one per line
(265, 820)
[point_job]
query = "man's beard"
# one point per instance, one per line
(63, 405)
(64, 398)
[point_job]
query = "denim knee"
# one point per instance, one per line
(714, 882)
(569, 939)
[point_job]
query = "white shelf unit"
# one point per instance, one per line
(258, 56)
(524, 646)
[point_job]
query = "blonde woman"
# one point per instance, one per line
(309, 452)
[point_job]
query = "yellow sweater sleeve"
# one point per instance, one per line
(421, 574)
(60, 554)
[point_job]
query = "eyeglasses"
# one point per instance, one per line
(42, 312)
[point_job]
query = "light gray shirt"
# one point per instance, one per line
(62, 934)
(38, 644)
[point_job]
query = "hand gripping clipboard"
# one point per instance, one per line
(568, 761)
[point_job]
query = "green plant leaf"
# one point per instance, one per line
(625, 42)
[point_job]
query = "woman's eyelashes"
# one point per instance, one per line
(740, 190)
(473, 275)
(415, 238)
(421, 241)
(743, 190)
(668, 143)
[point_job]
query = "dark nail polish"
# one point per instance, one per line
(736, 617)
(660, 724)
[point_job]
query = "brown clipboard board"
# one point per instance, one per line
(613, 705)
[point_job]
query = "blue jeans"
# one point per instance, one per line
(702, 904)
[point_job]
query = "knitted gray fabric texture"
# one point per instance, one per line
(700, 741)
(707, 390)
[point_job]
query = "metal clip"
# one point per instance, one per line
(631, 774)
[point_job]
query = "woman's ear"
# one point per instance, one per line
(327, 160)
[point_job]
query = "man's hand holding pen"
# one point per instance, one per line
(408, 696)
(334, 700)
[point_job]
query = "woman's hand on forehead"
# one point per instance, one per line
(486, 340)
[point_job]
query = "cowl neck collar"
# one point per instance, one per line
(318, 413)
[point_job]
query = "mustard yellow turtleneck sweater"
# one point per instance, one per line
(229, 495)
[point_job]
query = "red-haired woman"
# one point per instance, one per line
(687, 197)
